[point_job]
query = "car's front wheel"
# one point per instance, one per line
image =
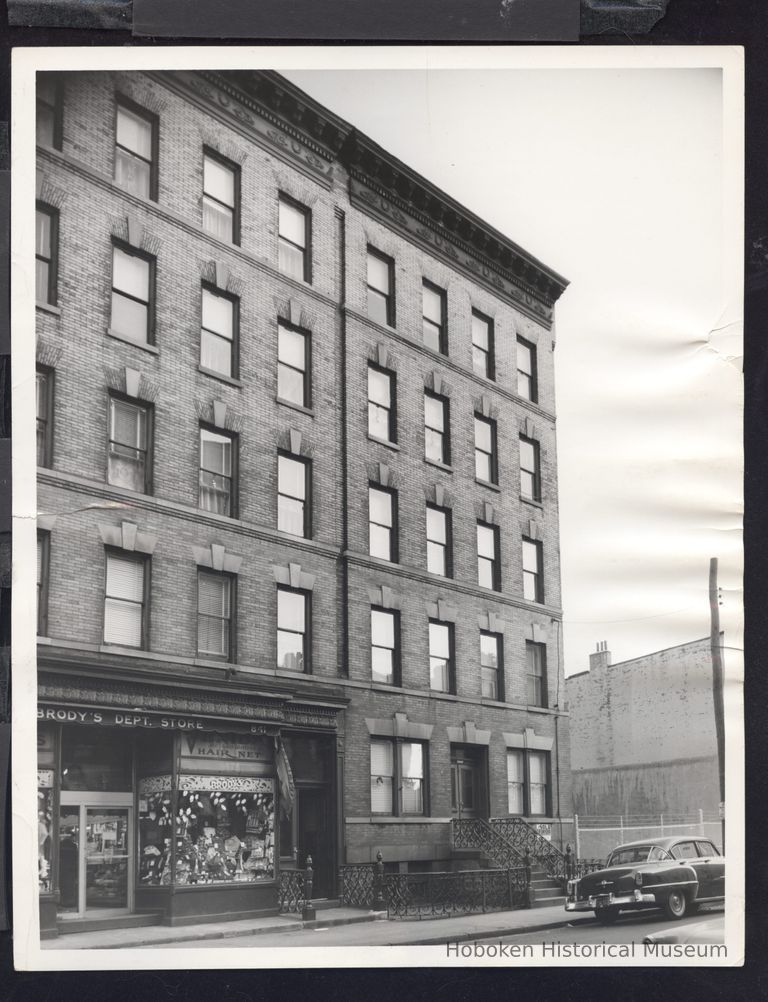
(606, 916)
(676, 905)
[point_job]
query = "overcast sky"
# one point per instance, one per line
(615, 179)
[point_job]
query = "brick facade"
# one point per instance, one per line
(309, 162)
(656, 748)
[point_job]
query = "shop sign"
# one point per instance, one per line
(545, 831)
(126, 719)
(228, 748)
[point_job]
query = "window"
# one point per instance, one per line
(530, 473)
(684, 850)
(398, 770)
(43, 562)
(382, 411)
(293, 382)
(439, 541)
(221, 197)
(536, 667)
(533, 585)
(382, 528)
(44, 395)
(136, 150)
(385, 646)
(381, 284)
(437, 428)
(528, 782)
(526, 370)
(218, 333)
(125, 601)
(293, 490)
(488, 575)
(491, 665)
(294, 237)
(441, 658)
(218, 459)
(433, 317)
(215, 619)
(486, 465)
(292, 629)
(46, 254)
(132, 294)
(128, 454)
(483, 361)
(49, 110)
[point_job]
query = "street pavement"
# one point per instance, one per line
(334, 926)
(342, 927)
(629, 929)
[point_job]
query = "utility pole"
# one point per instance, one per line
(717, 683)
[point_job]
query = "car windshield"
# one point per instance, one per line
(637, 854)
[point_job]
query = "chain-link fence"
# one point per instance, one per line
(597, 835)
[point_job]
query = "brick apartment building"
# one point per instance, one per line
(298, 574)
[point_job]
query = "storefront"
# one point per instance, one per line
(184, 817)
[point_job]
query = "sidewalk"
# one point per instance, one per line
(332, 927)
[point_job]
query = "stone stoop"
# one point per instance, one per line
(546, 890)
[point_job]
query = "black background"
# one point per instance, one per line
(689, 22)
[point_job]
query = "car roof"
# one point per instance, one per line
(664, 843)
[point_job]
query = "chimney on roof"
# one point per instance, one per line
(601, 658)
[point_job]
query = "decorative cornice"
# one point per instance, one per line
(283, 118)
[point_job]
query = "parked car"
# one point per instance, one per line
(674, 874)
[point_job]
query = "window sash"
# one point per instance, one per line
(214, 615)
(293, 255)
(440, 657)
(292, 491)
(526, 370)
(216, 472)
(529, 469)
(292, 367)
(398, 771)
(43, 385)
(46, 240)
(219, 182)
(485, 450)
(383, 646)
(292, 629)
(382, 777)
(380, 288)
(131, 283)
(128, 448)
(124, 601)
(515, 782)
(436, 429)
(381, 393)
(536, 673)
(381, 518)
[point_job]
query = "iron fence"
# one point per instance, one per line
(357, 885)
(291, 891)
(432, 894)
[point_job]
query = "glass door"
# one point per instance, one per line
(106, 857)
(95, 846)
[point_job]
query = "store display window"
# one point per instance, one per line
(46, 759)
(225, 829)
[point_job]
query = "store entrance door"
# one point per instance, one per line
(315, 838)
(95, 855)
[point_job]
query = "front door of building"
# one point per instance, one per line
(468, 781)
(95, 854)
(315, 838)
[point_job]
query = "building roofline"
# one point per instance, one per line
(642, 657)
(340, 140)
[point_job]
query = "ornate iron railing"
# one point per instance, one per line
(477, 833)
(579, 868)
(430, 895)
(291, 891)
(357, 883)
(527, 841)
